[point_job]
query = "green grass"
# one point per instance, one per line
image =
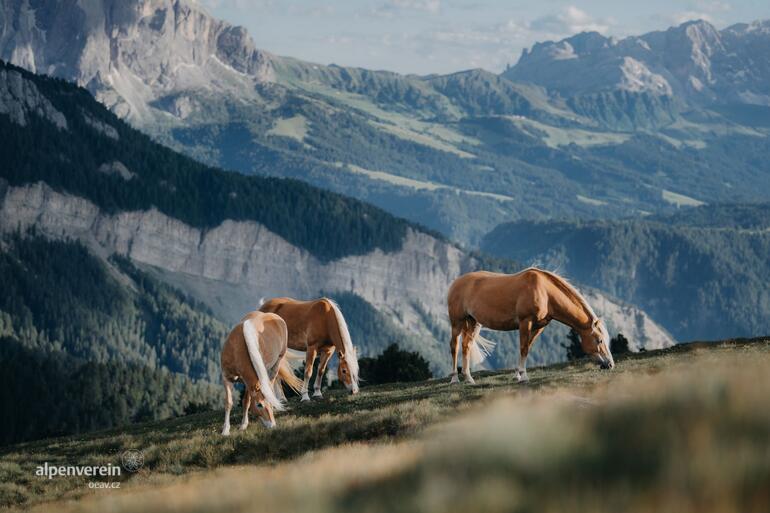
(682, 429)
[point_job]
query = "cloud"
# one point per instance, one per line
(685, 16)
(707, 10)
(570, 20)
(235, 4)
(392, 7)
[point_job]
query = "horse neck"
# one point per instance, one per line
(570, 310)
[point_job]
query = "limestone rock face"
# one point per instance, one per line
(131, 53)
(19, 98)
(231, 267)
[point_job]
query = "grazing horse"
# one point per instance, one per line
(318, 327)
(254, 353)
(526, 301)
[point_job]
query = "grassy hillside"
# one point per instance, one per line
(701, 274)
(681, 429)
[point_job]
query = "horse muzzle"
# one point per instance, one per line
(606, 364)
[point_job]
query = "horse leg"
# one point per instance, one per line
(228, 405)
(525, 327)
(469, 335)
(246, 405)
(528, 332)
(309, 359)
(325, 357)
(454, 346)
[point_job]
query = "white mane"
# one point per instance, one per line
(350, 351)
(582, 300)
(265, 386)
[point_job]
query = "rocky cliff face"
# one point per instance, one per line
(129, 54)
(235, 264)
(694, 62)
(20, 98)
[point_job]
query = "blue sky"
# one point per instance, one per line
(440, 36)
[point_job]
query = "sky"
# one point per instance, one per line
(443, 36)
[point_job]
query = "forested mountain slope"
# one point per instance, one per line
(702, 273)
(86, 344)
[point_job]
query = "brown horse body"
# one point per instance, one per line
(318, 327)
(526, 301)
(254, 353)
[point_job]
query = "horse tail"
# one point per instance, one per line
(480, 347)
(265, 386)
(286, 375)
(351, 358)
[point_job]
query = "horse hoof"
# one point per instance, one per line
(243, 427)
(318, 394)
(225, 432)
(470, 380)
(522, 379)
(454, 380)
(305, 398)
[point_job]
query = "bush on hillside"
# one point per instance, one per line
(394, 365)
(573, 347)
(619, 345)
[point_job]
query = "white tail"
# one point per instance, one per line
(481, 348)
(265, 386)
(294, 358)
(351, 358)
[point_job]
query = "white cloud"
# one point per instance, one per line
(392, 7)
(420, 5)
(570, 20)
(685, 16)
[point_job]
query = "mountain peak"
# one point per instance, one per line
(693, 60)
(129, 52)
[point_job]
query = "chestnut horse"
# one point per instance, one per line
(254, 353)
(318, 327)
(526, 301)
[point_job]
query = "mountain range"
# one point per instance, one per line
(587, 127)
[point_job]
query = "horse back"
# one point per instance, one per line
(307, 321)
(495, 299)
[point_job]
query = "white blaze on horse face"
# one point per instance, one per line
(263, 410)
(603, 343)
(343, 374)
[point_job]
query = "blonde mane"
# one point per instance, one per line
(251, 337)
(566, 287)
(351, 357)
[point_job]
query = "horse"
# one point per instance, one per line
(254, 353)
(318, 326)
(526, 301)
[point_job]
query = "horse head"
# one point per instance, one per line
(347, 370)
(595, 341)
(262, 408)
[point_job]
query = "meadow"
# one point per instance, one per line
(684, 429)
